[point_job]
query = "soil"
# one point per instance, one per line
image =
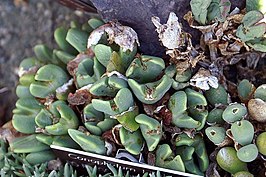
(22, 26)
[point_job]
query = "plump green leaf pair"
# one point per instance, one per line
(252, 30)
(205, 11)
(191, 151)
(57, 119)
(256, 5)
(185, 105)
(112, 59)
(97, 122)
(24, 115)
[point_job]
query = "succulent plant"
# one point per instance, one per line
(215, 134)
(218, 10)
(25, 113)
(248, 153)
(234, 112)
(132, 141)
(90, 143)
(200, 10)
(186, 147)
(243, 132)
(152, 92)
(217, 96)
(27, 144)
(57, 119)
(256, 5)
(165, 158)
(151, 130)
(249, 30)
(260, 142)
(215, 116)
(97, 93)
(245, 90)
(183, 105)
(145, 68)
(260, 92)
(243, 174)
(227, 159)
(96, 122)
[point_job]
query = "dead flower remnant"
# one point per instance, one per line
(204, 80)
(124, 36)
(177, 42)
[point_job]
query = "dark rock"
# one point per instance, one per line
(137, 14)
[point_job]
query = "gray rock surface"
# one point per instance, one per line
(137, 14)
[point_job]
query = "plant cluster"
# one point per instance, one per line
(98, 94)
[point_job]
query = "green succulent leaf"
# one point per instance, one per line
(251, 32)
(43, 53)
(243, 174)
(103, 53)
(183, 140)
(122, 102)
(218, 9)
(245, 90)
(78, 39)
(261, 143)
(65, 141)
(127, 119)
(84, 73)
(248, 153)
(185, 121)
(151, 92)
(67, 119)
(195, 98)
(184, 76)
(258, 44)
(35, 158)
(132, 141)
(127, 56)
(198, 115)
(48, 79)
(89, 143)
(251, 18)
(95, 23)
(60, 38)
(256, 5)
(151, 130)
(260, 92)
(108, 86)
(215, 134)
(27, 144)
(165, 158)
(178, 103)
(115, 63)
(92, 118)
(64, 57)
(200, 10)
(145, 68)
(227, 159)
(243, 132)
(46, 139)
(234, 112)
(186, 147)
(24, 115)
(217, 96)
(215, 116)
(23, 91)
